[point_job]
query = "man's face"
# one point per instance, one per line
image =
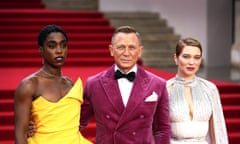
(126, 50)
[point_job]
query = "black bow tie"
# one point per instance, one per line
(130, 76)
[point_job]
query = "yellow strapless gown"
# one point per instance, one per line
(58, 122)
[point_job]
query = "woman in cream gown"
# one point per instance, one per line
(48, 98)
(195, 108)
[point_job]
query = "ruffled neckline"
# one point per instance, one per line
(185, 82)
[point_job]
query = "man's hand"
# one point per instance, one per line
(31, 129)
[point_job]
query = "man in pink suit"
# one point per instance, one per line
(130, 104)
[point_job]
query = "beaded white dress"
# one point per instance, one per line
(206, 103)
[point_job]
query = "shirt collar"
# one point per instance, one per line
(134, 69)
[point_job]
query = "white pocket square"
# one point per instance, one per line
(153, 97)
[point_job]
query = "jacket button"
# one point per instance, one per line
(107, 116)
(141, 116)
(133, 133)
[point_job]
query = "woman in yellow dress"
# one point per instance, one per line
(48, 98)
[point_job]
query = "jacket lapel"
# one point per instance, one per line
(112, 91)
(137, 94)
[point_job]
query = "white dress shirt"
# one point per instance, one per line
(125, 86)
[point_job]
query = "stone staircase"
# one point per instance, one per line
(158, 38)
(71, 4)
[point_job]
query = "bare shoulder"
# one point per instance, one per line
(27, 86)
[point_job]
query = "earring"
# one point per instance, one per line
(176, 63)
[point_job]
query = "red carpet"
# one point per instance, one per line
(12, 4)
(89, 36)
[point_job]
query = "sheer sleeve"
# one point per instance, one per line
(220, 130)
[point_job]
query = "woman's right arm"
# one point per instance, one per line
(22, 110)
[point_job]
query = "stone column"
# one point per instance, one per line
(235, 52)
(219, 33)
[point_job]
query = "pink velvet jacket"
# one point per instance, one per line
(145, 119)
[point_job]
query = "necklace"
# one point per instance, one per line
(49, 74)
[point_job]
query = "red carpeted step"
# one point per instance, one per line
(230, 98)
(234, 138)
(69, 29)
(7, 132)
(73, 36)
(6, 118)
(231, 111)
(7, 142)
(73, 44)
(13, 5)
(58, 21)
(95, 53)
(6, 94)
(48, 13)
(6, 105)
(227, 87)
(233, 124)
(87, 31)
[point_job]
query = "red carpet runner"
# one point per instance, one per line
(89, 36)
